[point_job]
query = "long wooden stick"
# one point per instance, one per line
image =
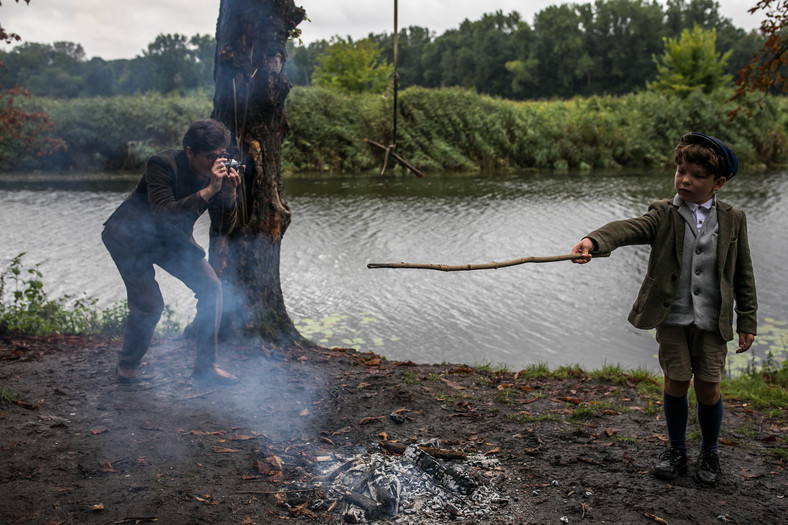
(484, 266)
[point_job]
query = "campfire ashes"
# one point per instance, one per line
(413, 487)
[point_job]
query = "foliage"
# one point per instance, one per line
(600, 47)
(10, 37)
(691, 63)
(31, 312)
(116, 133)
(25, 309)
(352, 67)
(24, 133)
(7, 396)
(766, 68)
(438, 130)
(171, 63)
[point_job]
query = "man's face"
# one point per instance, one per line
(202, 163)
(694, 184)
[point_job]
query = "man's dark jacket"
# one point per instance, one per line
(157, 218)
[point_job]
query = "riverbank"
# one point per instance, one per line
(295, 438)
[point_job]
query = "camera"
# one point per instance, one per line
(232, 163)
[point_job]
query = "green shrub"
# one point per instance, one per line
(25, 308)
(450, 129)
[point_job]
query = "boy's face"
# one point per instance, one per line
(694, 184)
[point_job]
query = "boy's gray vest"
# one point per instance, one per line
(697, 297)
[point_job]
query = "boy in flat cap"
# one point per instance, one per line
(699, 266)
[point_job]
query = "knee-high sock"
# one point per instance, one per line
(710, 421)
(676, 413)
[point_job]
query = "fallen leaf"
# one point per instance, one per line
(29, 406)
(327, 440)
(304, 412)
(372, 362)
(493, 451)
(242, 437)
(503, 386)
(247, 521)
(728, 442)
(222, 450)
(573, 400)
(453, 384)
(106, 466)
(370, 419)
(611, 432)
(100, 430)
(262, 468)
(655, 518)
(275, 462)
(97, 507)
(362, 385)
(400, 411)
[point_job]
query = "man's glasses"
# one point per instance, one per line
(211, 157)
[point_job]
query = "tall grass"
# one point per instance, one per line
(438, 130)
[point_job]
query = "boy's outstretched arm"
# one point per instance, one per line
(745, 341)
(584, 247)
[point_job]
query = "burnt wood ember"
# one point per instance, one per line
(415, 487)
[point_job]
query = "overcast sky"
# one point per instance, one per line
(113, 29)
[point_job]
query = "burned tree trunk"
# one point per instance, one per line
(250, 96)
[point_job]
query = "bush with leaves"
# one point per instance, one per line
(25, 308)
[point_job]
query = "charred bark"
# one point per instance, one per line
(250, 93)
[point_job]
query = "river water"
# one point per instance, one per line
(553, 313)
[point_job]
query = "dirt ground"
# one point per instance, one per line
(80, 448)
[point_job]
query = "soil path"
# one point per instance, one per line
(292, 441)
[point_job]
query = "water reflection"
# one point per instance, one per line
(555, 313)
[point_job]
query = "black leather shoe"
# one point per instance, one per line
(671, 464)
(708, 472)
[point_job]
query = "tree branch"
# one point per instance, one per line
(485, 266)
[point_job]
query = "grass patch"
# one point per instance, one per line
(629, 440)
(763, 388)
(491, 368)
(7, 396)
(502, 396)
(567, 371)
(536, 371)
(410, 378)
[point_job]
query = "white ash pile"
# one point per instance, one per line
(416, 487)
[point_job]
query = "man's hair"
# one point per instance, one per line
(206, 135)
(702, 154)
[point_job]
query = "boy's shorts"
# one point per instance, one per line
(686, 350)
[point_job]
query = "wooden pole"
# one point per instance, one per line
(484, 266)
(396, 76)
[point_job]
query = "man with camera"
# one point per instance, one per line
(154, 225)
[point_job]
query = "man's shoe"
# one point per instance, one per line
(128, 375)
(671, 464)
(214, 375)
(708, 472)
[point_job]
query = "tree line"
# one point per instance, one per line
(604, 47)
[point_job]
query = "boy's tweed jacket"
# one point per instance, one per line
(663, 228)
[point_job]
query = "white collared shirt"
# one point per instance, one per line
(700, 211)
